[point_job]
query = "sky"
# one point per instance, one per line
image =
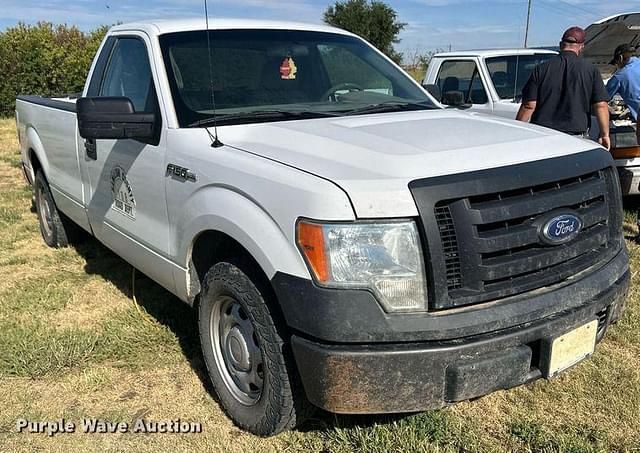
(431, 24)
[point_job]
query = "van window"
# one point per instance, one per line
(510, 73)
(462, 75)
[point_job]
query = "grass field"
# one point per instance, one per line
(73, 344)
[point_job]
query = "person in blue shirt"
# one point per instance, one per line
(626, 80)
(626, 83)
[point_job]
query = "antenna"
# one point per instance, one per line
(215, 141)
(526, 32)
(526, 42)
(515, 83)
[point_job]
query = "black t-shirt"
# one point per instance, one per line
(565, 88)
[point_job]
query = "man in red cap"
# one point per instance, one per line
(565, 91)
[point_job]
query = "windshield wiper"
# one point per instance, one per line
(390, 107)
(261, 115)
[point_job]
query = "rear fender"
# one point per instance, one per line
(33, 146)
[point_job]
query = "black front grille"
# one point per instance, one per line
(449, 247)
(505, 255)
(489, 235)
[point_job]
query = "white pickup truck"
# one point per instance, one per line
(345, 239)
(491, 81)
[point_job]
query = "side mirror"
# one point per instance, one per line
(113, 118)
(455, 99)
(433, 90)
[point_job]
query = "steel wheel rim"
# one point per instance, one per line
(45, 213)
(237, 353)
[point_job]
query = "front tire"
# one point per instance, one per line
(246, 354)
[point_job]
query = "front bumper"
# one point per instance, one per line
(410, 377)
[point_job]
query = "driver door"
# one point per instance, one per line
(126, 178)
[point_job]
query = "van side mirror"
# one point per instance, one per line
(113, 118)
(433, 90)
(455, 99)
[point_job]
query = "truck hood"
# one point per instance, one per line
(374, 157)
(605, 35)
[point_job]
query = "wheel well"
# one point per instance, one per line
(212, 247)
(35, 162)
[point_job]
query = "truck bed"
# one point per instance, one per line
(50, 124)
(66, 102)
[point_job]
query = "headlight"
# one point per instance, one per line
(385, 258)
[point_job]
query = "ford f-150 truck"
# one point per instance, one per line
(491, 81)
(345, 239)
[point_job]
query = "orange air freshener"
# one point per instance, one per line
(288, 69)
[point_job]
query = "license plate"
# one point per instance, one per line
(573, 347)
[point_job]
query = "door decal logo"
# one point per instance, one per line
(123, 199)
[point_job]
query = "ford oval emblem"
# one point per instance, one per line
(561, 229)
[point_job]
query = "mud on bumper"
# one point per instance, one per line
(411, 377)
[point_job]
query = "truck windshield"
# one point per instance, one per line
(510, 73)
(277, 75)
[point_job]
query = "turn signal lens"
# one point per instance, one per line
(311, 241)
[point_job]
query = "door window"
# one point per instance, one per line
(128, 74)
(463, 76)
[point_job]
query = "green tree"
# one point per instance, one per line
(44, 59)
(373, 20)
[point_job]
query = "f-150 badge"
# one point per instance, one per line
(123, 199)
(181, 172)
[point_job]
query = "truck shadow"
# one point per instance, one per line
(181, 319)
(163, 306)
(631, 203)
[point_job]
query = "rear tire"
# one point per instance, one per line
(57, 230)
(246, 353)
